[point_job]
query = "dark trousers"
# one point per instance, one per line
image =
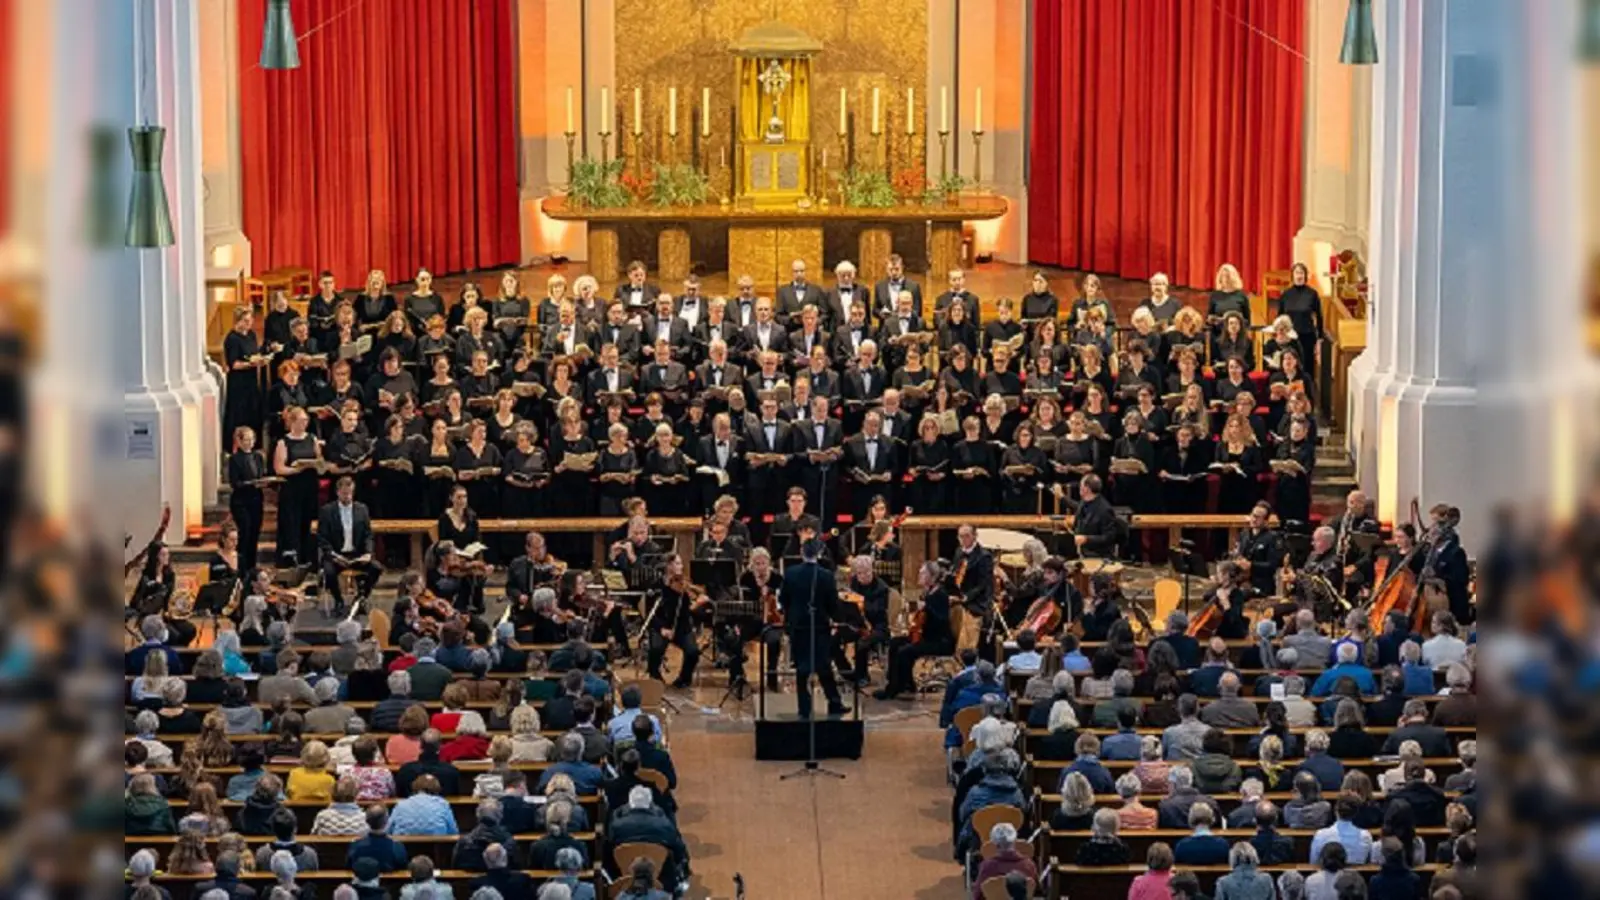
(247, 516)
(367, 575)
(865, 639)
(685, 639)
(903, 656)
(810, 652)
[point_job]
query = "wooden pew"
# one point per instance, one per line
(1043, 803)
(1239, 737)
(1046, 773)
(182, 887)
(332, 850)
(1113, 881)
(1063, 845)
(464, 807)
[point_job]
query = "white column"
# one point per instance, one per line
(167, 386)
(1338, 125)
(227, 249)
(1469, 389)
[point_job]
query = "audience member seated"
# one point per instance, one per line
(1133, 815)
(1272, 848)
(1177, 635)
(405, 745)
(641, 880)
(1088, 764)
(144, 810)
(1062, 689)
(998, 786)
(1350, 739)
(569, 761)
(620, 726)
(255, 816)
(1385, 711)
(424, 810)
(498, 875)
(1162, 710)
(1418, 675)
(1308, 809)
(984, 683)
(1175, 808)
(1201, 847)
(559, 792)
(596, 743)
(1076, 812)
(146, 724)
(1323, 883)
(425, 883)
(1246, 881)
(311, 781)
(344, 815)
(1154, 772)
(388, 854)
(1103, 848)
(1061, 743)
(1027, 658)
(569, 863)
(176, 717)
(1205, 681)
(640, 822)
(225, 878)
(1394, 880)
(1357, 841)
(1391, 779)
(284, 824)
(286, 683)
(1427, 801)
(1122, 700)
(329, 715)
(560, 714)
(1459, 708)
(1445, 648)
(471, 742)
(486, 832)
(618, 789)
(1005, 859)
(1215, 772)
(1288, 659)
(1244, 815)
(1269, 769)
(1183, 740)
(428, 677)
(1124, 746)
(1414, 726)
(1348, 666)
(1467, 779)
(1230, 710)
(446, 777)
(558, 829)
(516, 813)
(1152, 883)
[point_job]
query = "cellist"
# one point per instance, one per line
(1228, 597)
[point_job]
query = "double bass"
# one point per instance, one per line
(1206, 622)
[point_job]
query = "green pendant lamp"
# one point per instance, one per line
(149, 221)
(279, 47)
(1360, 47)
(1589, 31)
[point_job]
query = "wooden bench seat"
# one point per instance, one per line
(332, 850)
(1046, 773)
(1240, 737)
(1043, 803)
(465, 808)
(324, 881)
(1113, 881)
(1063, 845)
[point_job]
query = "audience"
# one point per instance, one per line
(486, 832)
(1214, 770)
(1431, 739)
(1004, 859)
(1183, 740)
(1076, 812)
(1307, 809)
(1323, 883)
(1152, 884)
(429, 763)
(1201, 847)
(1088, 764)
(1176, 808)
(1272, 848)
(1133, 815)
(424, 810)
(1103, 848)
(1246, 881)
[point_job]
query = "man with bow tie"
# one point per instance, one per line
(846, 296)
(619, 331)
(664, 325)
(865, 382)
(847, 340)
(720, 450)
(634, 293)
(819, 433)
(714, 326)
(767, 481)
(764, 334)
(667, 377)
(958, 292)
(886, 296)
(896, 421)
(872, 455)
(808, 335)
(563, 338)
(742, 305)
(902, 321)
(798, 294)
(717, 372)
(691, 306)
(609, 378)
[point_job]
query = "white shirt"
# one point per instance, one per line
(847, 299)
(771, 429)
(347, 521)
(567, 336)
(636, 295)
(872, 452)
(722, 454)
(1443, 650)
(716, 375)
(690, 312)
(888, 427)
(820, 428)
(866, 381)
(763, 332)
(611, 380)
(664, 330)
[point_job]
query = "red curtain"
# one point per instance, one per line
(393, 146)
(1167, 136)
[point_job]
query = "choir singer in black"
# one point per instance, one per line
(1096, 529)
(810, 597)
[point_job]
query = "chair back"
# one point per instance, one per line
(966, 718)
(1023, 847)
(623, 856)
(995, 889)
(619, 888)
(654, 778)
(985, 819)
(380, 623)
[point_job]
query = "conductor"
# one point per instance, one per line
(809, 596)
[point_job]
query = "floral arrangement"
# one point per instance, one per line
(598, 185)
(679, 185)
(867, 188)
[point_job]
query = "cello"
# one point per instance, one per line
(1399, 590)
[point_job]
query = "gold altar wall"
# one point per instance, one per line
(684, 44)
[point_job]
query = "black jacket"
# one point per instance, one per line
(470, 846)
(651, 826)
(1427, 802)
(330, 529)
(1433, 739)
(508, 882)
(428, 764)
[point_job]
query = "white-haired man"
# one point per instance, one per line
(642, 822)
(1348, 666)
(846, 295)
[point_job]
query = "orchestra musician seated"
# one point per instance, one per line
(929, 634)
(864, 620)
(671, 621)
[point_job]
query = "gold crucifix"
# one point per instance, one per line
(774, 81)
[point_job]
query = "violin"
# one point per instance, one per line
(433, 612)
(883, 531)
(770, 613)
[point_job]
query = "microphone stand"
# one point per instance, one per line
(812, 767)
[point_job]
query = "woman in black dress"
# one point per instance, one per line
(346, 331)
(1097, 409)
(435, 463)
(152, 595)
(225, 564)
(1046, 342)
(458, 524)
(1187, 373)
(1091, 370)
(280, 315)
(957, 332)
(525, 471)
(473, 460)
(973, 462)
(239, 351)
(617, 468)
(374, 304)
(1001, 378)
(347, 451)
(1154, 416)
(1021, 468)
(928, 464)
(396, 332)
(1294, 489)
(1128, 488)
(479, 384)
(1077, 454)
(434, 340)
(246, 468)
(511, 303)
(1303, 305)
(997, 423)
(1091, 300)
(1229, 296)
(287, 393)
(1233, 382)
(296, 460)
(1000, 331)
(339, 390)
(1039, 304)
(1147, 332)
(1244, 407)
(1233, 340)
(560, 385)
(1289, 379)
(668, 475)
(394, 481)
(439, 380)
(1239, 461)
(423, 304)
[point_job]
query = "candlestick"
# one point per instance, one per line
(944, 153)
(672, 111)
(705, 112)
(572, 137)
(570, 129)
(977, 114)
(844, 104)
(911, 112)
(875, 118)
(977, 151)
(944, 109)
(638, 112)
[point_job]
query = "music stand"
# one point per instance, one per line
(1188, 560)
(717, 574)
(1299, 546)
(213, 598)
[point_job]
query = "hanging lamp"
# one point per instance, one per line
(1360, 46)
(1589, 31)
(279, 46)
(149, 220)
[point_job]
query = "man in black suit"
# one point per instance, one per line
(896, 421)
(717, 373)
(609, 378)
(763, 335)
(692, 306)
(869, 461)
(1096, 529)
(819, 434)
(846, 295)
(344, 536)
(1183, 472)
(810, 599)
(864, 383)
(849, 336)
(634, 293)
(808, 334)
(720, 450)
(886, 296)
(664, 325)
(563, 338)
(972, 580)
(618, 330)
(1414, 726)
(767, 480)
(901, 320)
(958, 291)
(798, 293)
(742, 305)
(936, 639)
(1263, 548)
(667, 377)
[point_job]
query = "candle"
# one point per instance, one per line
(705, 112)
(911, 111)
(570, 129)
(875, 123)
(977, 114)
(944, 109)
(722, 158)
(638, 111)
(824, 158)
(672, 111)
(843, 105)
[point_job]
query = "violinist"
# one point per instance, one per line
(344, 538)
(600, 610)
(971, 581)
(458, 528)
(449, 581)
(408, 601)
(863, 620)
(930, 633)
(540, 622)
(875, 534)
(1105, 607)
(535, 569)
(761, 586)
(1229, 595)
(671, 621)
(1261, 550)
(1323, 562)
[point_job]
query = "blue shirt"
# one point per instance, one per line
(1418, 680)
(585, 777)
(1026, 661)
(1333, 651)
(1076, 663)
(1357, 841)
(1201, 849)
(1361, 674)
(621, 727)
(1124, 745)
(422, 814)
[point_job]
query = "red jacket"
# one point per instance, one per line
(465, 746)
(999, 866)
